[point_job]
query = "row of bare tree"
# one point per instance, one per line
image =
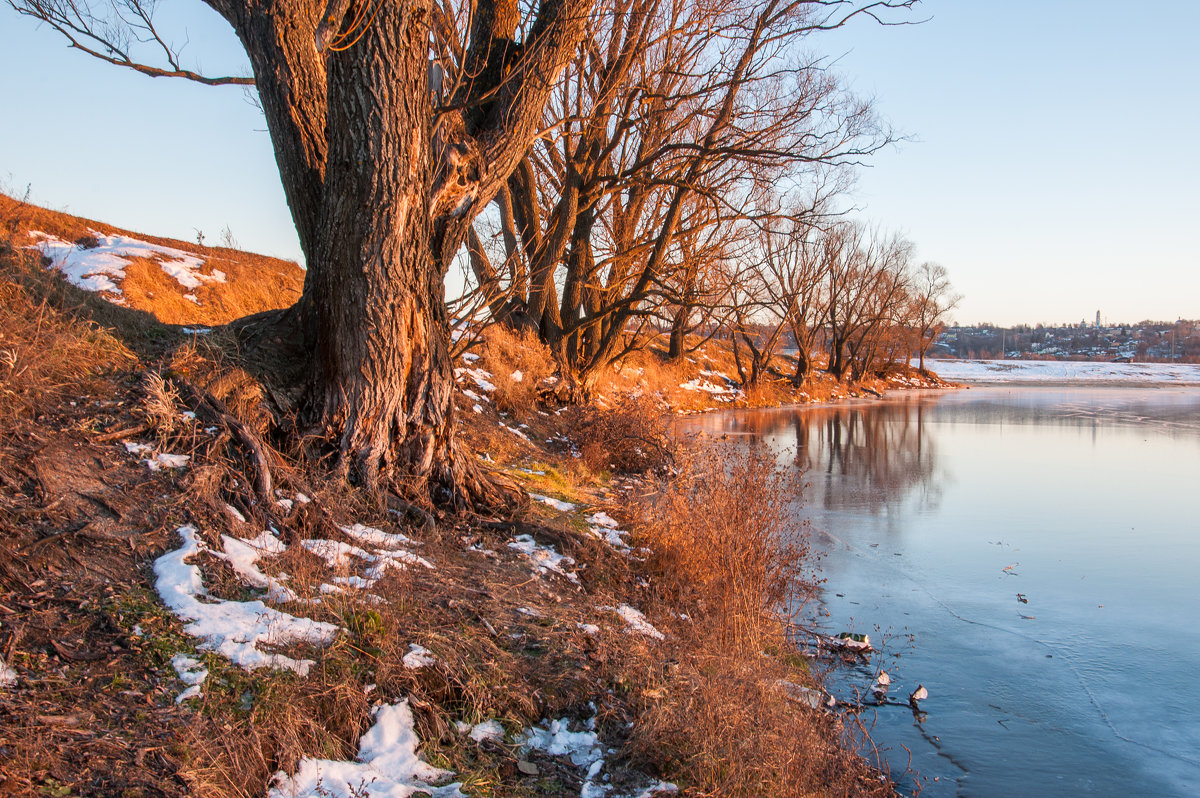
(693, 153)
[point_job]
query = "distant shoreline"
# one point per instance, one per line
(1065, 372)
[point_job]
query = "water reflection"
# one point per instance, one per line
(862, 457)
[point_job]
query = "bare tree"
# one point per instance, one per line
(383, 169)
(933, 299)
(868, 284)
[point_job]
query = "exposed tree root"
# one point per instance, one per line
(213, 410)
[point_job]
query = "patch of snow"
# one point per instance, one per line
(418, 657)
(192, 673)
(488, 730)
(387, 766)
(477, 408)
(637, 622)
(394, 559)
(377, 537)
(557, 504)
(514, 431)
(98, 268)
(517, 376)
(286, 504)
(544, 558)
(137, 448)
(243, 555)
(8, 676)
(581, 747)
(602, 518)
(470, 357)
(557, 739)
(589, 628)
(480, 377)
(657, 788)
(197, 330)
(233, 629)
(603, 526)
(168, 460)
(700, 384)
(335, 553)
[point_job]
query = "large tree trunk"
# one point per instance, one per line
(382, 367)
(382, 386)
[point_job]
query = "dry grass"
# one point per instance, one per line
(46, 353)
(727, 728)
(728, 546)
(728, 552)
(507, 354)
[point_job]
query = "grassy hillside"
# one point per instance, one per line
(224, 284)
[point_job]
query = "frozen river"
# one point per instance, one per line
(943, 514)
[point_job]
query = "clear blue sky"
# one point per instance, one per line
(1053, 166)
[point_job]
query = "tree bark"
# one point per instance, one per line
(382, 385)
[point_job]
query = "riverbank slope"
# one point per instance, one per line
(166, 631)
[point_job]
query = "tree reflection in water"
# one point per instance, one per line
(865, 457)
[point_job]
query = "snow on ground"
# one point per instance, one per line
(544, 558)
(557, 504)
(603, 526)
(8, 677)
(418, 657)
(377, 537)
(514, 431)
(387, 766)
(339, 556)
(726, 392)
(335, 553)
(243, 555)
(156, 461)
(166, 460)
(480, 377)
(487, 730)
(191, 673)
(601, 518)
(585, 751)
(636, 622)
(99, 268)
(1063, 371)
(233, 629)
